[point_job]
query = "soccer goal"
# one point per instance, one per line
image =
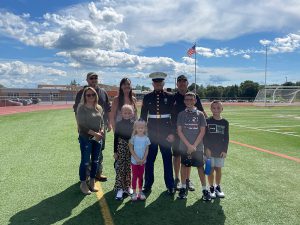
(278, 96)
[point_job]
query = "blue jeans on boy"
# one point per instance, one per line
(90, 151)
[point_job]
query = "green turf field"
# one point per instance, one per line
(39, 175)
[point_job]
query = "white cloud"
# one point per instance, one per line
(206, 52)
(68, 31)
(107, 59)
(143, 24)
(218, 52)
(221, 52)
(101, 58)
(20, 69)
(107, 15)
(289, 43)
(104, 34)
(188, 60)
(246, 56)
(265, 42)
(149, 25)
(20, 74)
(59, 64)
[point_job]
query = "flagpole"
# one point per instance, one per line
(195, 70)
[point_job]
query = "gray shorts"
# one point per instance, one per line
(217, 162)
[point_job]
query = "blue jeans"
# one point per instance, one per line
(90, 151)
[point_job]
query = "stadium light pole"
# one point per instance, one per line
(195, 69)
(266, 64)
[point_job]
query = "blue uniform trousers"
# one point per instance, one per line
(165, 149)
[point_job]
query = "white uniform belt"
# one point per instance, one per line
(159, 116)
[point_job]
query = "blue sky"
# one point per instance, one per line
(54, 42)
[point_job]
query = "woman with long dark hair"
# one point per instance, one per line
(125, 96)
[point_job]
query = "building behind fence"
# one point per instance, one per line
(48, 93)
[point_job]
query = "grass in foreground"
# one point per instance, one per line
(39, 182)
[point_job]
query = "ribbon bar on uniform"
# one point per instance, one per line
(159, 116)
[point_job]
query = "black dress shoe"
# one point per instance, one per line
(146, 190)
(171, 191)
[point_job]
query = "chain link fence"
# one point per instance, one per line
(40, 100)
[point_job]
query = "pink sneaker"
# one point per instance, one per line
(142, 196)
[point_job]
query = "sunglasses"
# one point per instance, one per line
(90, 95)
(93, 78)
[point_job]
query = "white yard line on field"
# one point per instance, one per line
(273, 127)
(265, 130)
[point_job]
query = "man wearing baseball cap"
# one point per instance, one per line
(156, 111)
(103, 101)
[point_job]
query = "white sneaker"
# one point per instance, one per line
(219, 192)
(130, 191)
(178, 186)
(134, 197)
(142, 196)
(119, 195)
(190, 185)
(212, 192)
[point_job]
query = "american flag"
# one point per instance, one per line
(191, 51)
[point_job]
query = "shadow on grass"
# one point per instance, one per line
(50, 210)
(90, 216)
(167, 210)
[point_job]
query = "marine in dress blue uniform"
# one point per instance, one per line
(156, 110)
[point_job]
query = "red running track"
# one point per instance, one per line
(30, 108)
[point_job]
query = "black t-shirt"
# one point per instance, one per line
(124, 129)
(216, 136)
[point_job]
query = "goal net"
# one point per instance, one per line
(278, 96)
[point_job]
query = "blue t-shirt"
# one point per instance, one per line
(139, 146)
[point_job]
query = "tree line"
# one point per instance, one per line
(247, 90)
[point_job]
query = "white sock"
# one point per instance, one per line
(183, 185)
(203, 188)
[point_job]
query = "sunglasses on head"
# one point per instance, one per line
(93, 78)
(90, 95)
